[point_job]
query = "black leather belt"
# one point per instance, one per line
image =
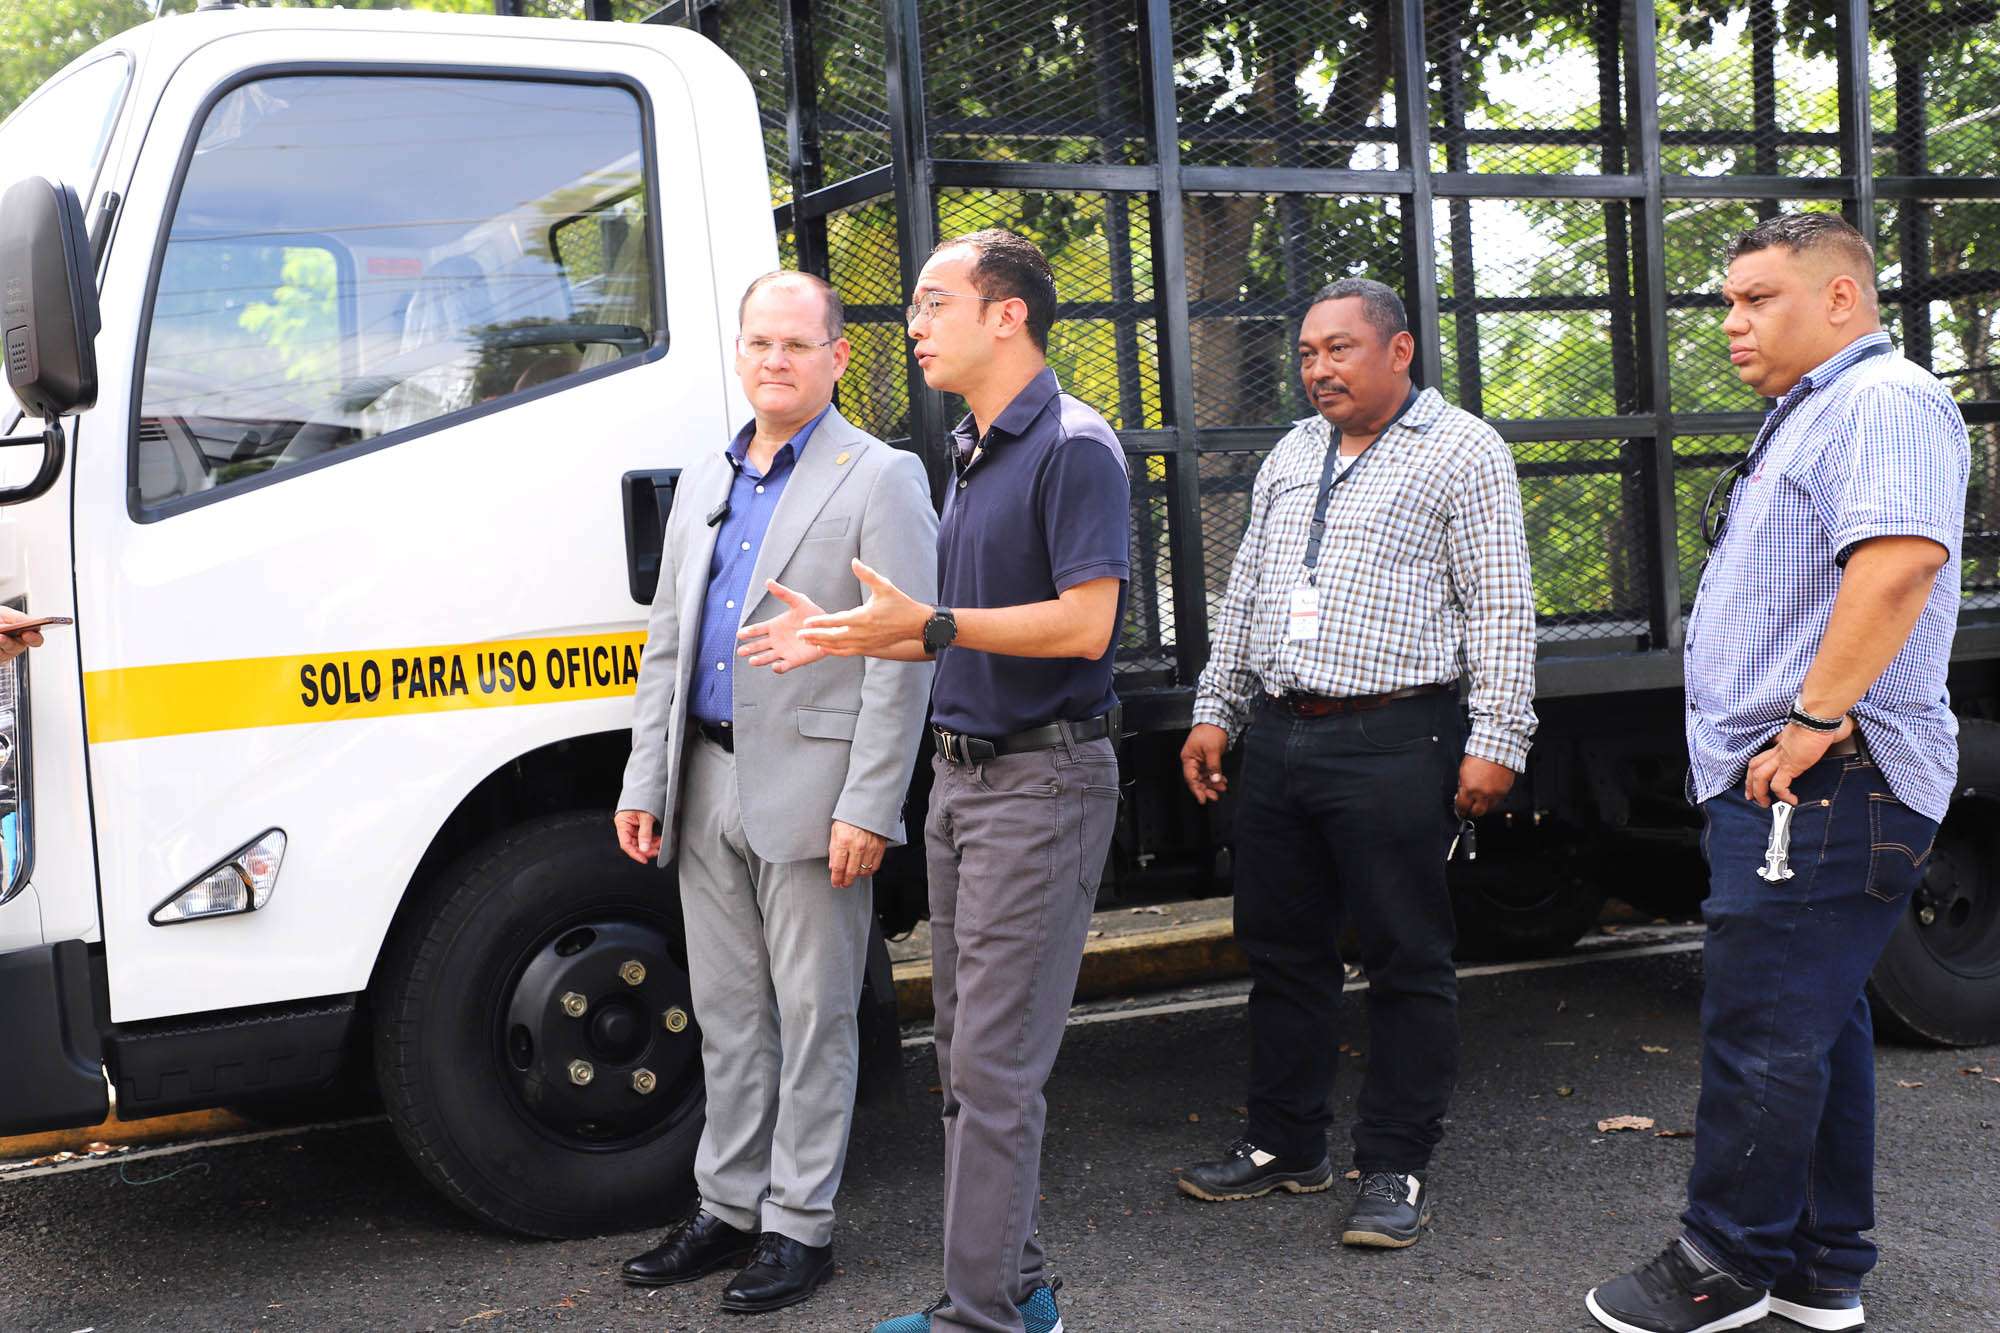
(959, 748)
(719, 732)
(1300, 704)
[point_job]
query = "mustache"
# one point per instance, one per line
(1322, 386)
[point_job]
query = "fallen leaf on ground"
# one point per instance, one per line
(1618, 1122)
(1352, 1175)
(1155, 911)
(1242, 1110)
(1565, 1091)
(1674, 1134)
(1909, 1083)
(1194, 1117)
(1654, 1050)
(1969, 1069)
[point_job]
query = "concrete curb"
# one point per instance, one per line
(122, 1133)
(1116, 965)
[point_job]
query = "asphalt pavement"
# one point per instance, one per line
(330, 1229)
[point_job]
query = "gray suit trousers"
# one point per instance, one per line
(775, 958)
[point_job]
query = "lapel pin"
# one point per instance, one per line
(839, 459)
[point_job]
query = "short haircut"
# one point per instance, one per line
(1813, 232)
(1381, 306)
(1008, 264)
(836, 313)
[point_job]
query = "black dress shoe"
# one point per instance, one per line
(782, 1272)
(1248, 1172)
(695, 1247)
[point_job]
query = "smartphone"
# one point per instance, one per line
(19, 627)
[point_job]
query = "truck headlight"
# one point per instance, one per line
(241, 883)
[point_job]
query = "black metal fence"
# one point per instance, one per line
(1549, 184)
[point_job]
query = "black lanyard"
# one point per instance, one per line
(1330, 478)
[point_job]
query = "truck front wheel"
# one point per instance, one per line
(1938, 981)
(534, 1037)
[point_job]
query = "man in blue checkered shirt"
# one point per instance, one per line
(1816, 660)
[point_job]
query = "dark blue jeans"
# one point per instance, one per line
(1349, 817)
(1783, 1184)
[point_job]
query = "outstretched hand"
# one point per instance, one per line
(889, 617)
(776, 643)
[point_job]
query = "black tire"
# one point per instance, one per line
(1938, 981)
(473, 1044)
(1514, 903)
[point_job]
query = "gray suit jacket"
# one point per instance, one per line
(837, 739)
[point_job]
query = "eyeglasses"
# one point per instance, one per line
(793, 347)
(1715, 509)
(926, 306)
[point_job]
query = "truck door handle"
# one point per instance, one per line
(648, 498)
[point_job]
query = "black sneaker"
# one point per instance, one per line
(1389, 1210)
(1248, 1172)
(1679, 1292)
(1817, 1309)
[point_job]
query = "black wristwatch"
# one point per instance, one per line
(939, 630)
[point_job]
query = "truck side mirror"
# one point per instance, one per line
(48, 317)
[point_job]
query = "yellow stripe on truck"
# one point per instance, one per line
(134, 703)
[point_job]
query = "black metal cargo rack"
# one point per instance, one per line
(1548, 183)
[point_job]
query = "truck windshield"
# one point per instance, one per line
(354, 256)
(63, 131)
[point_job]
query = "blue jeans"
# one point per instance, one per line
(1783, 1183)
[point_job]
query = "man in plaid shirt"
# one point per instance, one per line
(1384, 559)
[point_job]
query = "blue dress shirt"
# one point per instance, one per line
(1867, 445)
(753, 498)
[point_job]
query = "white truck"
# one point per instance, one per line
(406, 323)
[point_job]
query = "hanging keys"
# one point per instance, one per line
(1777, 851)
(1467, 834)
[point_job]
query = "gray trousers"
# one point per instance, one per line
(775, 960)
(1015, 849)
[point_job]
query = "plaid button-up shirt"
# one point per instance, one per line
(1423, 577)
(1868, 445)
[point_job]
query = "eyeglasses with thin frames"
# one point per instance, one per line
(793, 347)
(926, 307)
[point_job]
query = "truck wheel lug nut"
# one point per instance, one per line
(1926, 916)
(580, 1072)
(675, 1019)
(644, 1081)
(574, 1004)
(633, 973)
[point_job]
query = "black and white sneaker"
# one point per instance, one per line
(1248, 1172)
(1389, 1210)
(1817, 1309)
(1679, 1292)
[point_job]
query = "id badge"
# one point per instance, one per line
(1302, 624)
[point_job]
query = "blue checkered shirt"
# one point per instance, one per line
(1867, 445)
(1423, 578)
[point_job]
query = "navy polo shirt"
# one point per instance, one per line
(1045, 506)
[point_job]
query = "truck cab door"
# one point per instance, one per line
(399, 327)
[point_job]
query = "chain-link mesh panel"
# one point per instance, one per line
(1748, 89)
(1517, 88)
(849, 46)
(1699, 462)
(1535, 301)
(753, 33)
(1146, 639)
(1934, 66)
(1253, 263)
(1584, 505)
(1105, 346)
(1034, 80)
(1939, 265)
(1697, 234)
(1226, 479)
(1285, 83)
(1979, 568)
(862, 254)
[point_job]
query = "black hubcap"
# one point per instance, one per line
(1960, 900)
(598, 1041)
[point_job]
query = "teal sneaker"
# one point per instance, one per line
(1038, 1314)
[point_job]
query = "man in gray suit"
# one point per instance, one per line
(784, 791)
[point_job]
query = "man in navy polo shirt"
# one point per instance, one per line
(1032, 561)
